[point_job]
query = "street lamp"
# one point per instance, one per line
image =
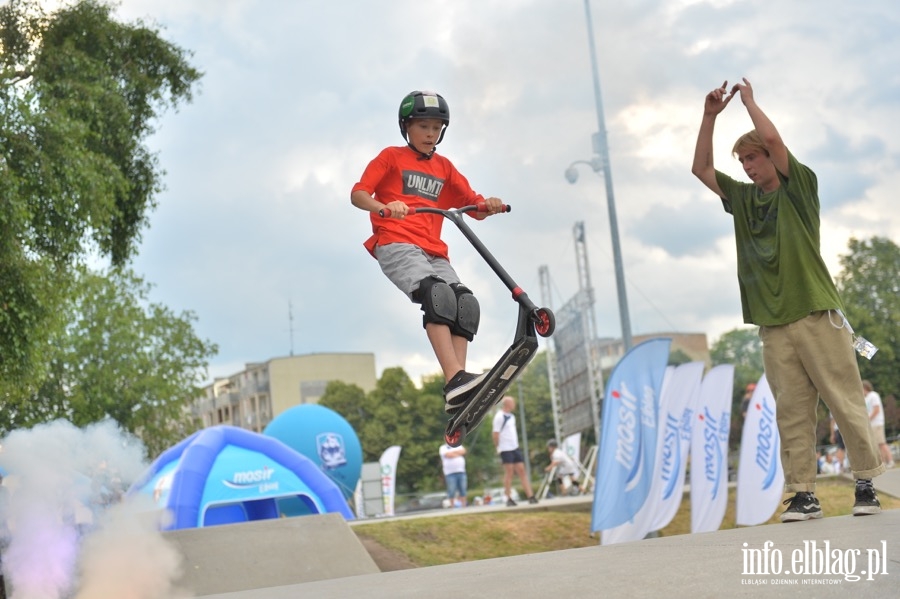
(600, 163)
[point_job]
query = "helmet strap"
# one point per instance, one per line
(422, 155)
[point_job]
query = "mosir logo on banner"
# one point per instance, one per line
(629, 449)
(815, 563)
(628, 445)
(670, 455)
(715, 436)
(251, 478)
(766, 443)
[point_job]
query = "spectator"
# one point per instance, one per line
(787, 291)
(506, 440)
(838, 440)
(745, 402)
(876, 421)
(832, 464)
(566, 470)
(453, 460)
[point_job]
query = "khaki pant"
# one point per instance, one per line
(804, 360)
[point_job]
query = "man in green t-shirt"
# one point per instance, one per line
(787, 291)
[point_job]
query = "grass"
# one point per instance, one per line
(475, 536)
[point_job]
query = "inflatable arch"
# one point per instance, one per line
(224, 474)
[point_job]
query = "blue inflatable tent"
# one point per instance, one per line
(225, 474)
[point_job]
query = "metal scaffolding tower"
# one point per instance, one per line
(573, 358)
(586, 293)
(547, 300)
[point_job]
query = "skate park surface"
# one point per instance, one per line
(735, 562)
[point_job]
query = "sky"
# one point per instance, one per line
(256, 236)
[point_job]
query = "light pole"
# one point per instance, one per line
(600, 163)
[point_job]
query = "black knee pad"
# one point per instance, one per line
(438, 301)
(468, 312)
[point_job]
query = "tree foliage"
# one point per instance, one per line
(79, 93)
(394, 413)
(869, 283)
(121, 357)
(397, 413)
(742, 348)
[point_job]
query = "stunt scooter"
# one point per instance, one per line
(531, 320)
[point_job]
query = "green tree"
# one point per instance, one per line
(482, 464)
(869, 283)
(395, 413)
(79, 93)
(119, 357)
(742, 348)
(535, 394)
(349, 401)
(679, 357)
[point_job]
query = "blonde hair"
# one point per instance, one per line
(749, 141)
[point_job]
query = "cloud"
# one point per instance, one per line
(296, 99)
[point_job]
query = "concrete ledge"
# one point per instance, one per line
(268, 553)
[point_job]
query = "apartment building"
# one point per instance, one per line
(694, 345)
(251, 398)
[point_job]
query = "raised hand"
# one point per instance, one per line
(745, 89)
(718, 99)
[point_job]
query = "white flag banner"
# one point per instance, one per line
(760, 476)
(571, 445)
(709, 450)
(638, 527)
(627, 450)
(388, 463)
(676, 422)
(678, 401)
(359, 501)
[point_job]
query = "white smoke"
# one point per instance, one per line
(127, 558)
(65, 521)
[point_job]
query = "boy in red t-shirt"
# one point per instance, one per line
(410, 250)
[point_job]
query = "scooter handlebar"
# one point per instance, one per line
(479, 207)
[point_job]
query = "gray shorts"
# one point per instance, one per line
(405, 265)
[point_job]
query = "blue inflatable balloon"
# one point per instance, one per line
(323, 436)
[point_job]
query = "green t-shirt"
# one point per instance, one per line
(780, 271)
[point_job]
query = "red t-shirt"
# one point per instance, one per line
(400, 173)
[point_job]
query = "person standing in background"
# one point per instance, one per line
(876, 420)
(506, 441)
(453, 460)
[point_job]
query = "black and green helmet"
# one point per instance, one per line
(423, 105)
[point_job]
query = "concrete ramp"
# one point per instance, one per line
(862, 554)
(268, 553)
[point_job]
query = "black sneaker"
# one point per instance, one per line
(866, 501)
(460, 389)
(803, 506)
(532, 499)
(510, 502)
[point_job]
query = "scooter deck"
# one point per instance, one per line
(492, 390)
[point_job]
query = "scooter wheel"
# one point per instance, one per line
(455, 438)
(544, 322)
